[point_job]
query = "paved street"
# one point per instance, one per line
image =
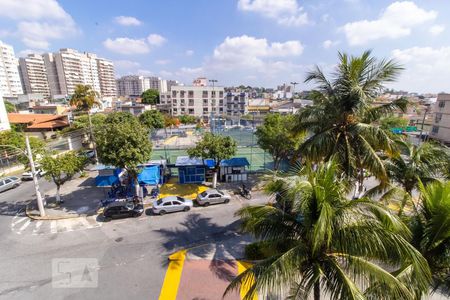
(131, 253)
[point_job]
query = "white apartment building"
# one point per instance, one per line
(440, 129)
(90, 71)
(4, 121)
(10, 84)
(107, 77)
(52, 75)
(236, 104)
(34, 75)
(198, 101)
(134, 85)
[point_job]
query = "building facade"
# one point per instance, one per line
(199, 101)
(130, 86)
(33, 75)
(440, 129)
(10, 84)
(236, 104)
(106, 77)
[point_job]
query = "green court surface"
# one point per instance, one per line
(258, 159)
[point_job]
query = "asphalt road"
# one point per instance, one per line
(130, 254)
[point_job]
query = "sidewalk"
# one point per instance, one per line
(81, 198)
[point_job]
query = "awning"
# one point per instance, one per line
(235, 162)
(149, 175)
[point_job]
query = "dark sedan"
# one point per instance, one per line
(123, 209)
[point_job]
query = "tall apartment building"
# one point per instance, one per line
(10, 84)
(107, 77)
(198, 101)
(52, 74)
(236, 104)
(134, 85)
(33, 75)
(4, 121)
(440, 129)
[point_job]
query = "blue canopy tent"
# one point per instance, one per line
(150, 175)
(107, 176)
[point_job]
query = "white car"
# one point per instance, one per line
(171, 204)
(212, 196)
(28, 176)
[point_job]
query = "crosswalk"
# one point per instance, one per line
(23, 225)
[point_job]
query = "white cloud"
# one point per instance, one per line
(396, 21)
(156, 39)
(163, 61)
(25, 52)
(436, 29)
(145, 72)
(325, 18)
(127, 21)
(427, 69)
(127, 46)
(39, 21)
(189, 52)
(329, 43)
(123, 67)
(285, 12)
(165, 74)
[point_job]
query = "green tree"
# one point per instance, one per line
(342, 120)
(169, 122)
(10, 108)
(152, 119)
(85, 98)
(124, 144)
(82, 122)
(389, 122)
(61, 168)
(10, 139)
(277, 137)
(150, 96)
(431, 231)
(322, 241)
(216, 147)
(186, 119)
(414, 164)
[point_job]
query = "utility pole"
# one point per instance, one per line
(35, 180)
(92, 138)
(423, 121)
(213, 81)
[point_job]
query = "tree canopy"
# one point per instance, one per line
(150, 96)
(390, 122)
(276, 136)
(17, 140)
(123, 142)
(187, 119)
(61, 168)
(84, 98)
(214, 146)
(152, 119)
(9, 107)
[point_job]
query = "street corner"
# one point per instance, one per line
(191, 277)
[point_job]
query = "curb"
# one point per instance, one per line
(32, 216)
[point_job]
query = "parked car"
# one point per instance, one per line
(28, 176)
(123, 209)
(212, 196)
(171, 204)
(7, 183)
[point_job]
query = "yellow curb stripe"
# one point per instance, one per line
(245, 286)
(172, 279)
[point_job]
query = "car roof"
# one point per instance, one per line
(169, 198)
(117, 203)
(8, 177)
(209, 191)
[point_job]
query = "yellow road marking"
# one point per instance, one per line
(172, 279)
(245, 287)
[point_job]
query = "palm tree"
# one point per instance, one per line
(341, 121)
(424, 163)
(321, 241)
(431, 231)
(85, 98)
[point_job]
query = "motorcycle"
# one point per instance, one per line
(246, 193)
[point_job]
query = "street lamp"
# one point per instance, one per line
(29, 154)
(294, 83)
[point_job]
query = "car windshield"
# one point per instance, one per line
(14, 178)
(220, 192)
(204, 194)
(159, 202)
(180, 199)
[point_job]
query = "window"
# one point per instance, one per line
(221, 109)
(441, 104)
(183, 110)
(221, 102)
(205, 102)
(168, 203)
(435, 129)
(174, 94)
(175, 110)
(205, 94)
(191, 102)
(191, 111)
(205, 110)
(182, 94)
(204, 194)
(213, 94)
(213, 102)
(438, 117)
(159, 202)
(182, 102)
(174, 101)
(2, 183)
(180, 199)
(191, 94)
(221, 94)
(8, 181)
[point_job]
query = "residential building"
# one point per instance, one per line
(42, 125)
(10, 84)
(52, 75)
(4, 121)
(106, 77)
(236, 104)
(440, 129)
(132, 107)
(153, 83)
(198, 101)
(69, 70)
(130, 86)
(56, 109)
(33, 75)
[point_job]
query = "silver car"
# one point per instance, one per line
(171, 204)
(212, 196)
(9, 183)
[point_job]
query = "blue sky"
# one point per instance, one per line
(255, 42)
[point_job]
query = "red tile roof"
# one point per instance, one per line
(41, 121)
